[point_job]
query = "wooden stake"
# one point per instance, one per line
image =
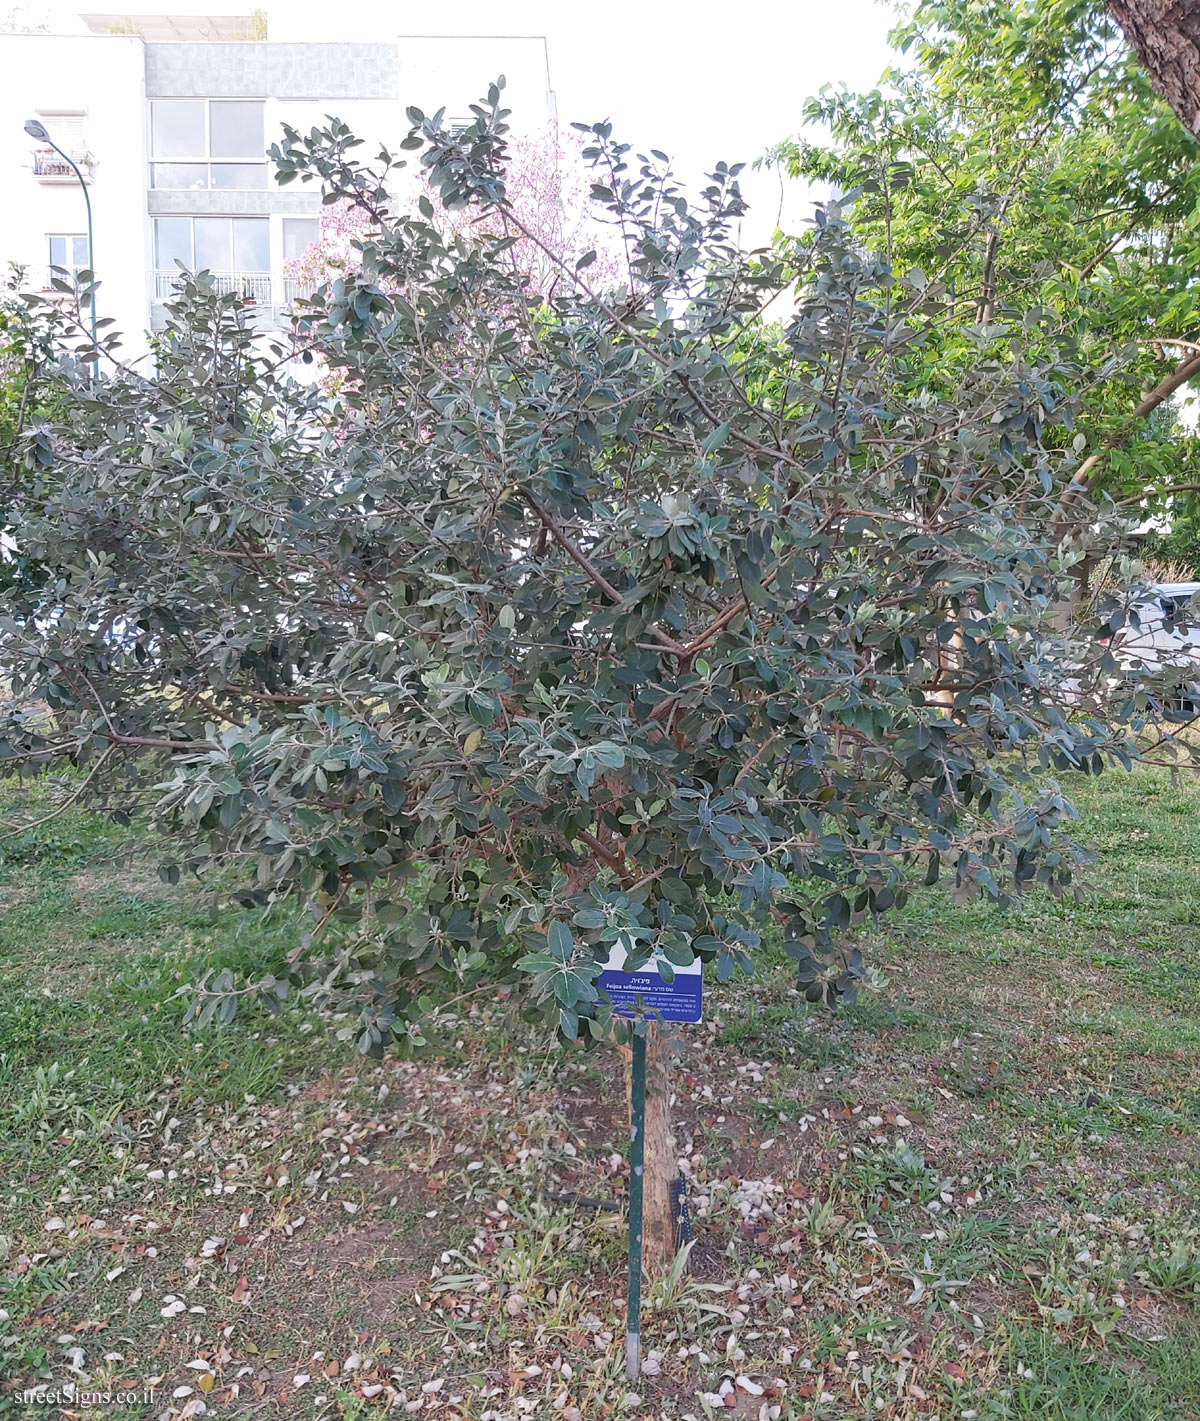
(660, 1160)
(637, 1145)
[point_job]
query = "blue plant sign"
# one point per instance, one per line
(647, 993)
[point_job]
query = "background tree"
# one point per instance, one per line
(616, 622)
(24, 20)
(546, 189)
(27, 351)
(1021, 169)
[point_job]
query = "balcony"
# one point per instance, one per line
(51, 274)
(294, 291)
(254, 287)
(266, 297)
(51, 167)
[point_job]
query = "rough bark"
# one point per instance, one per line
(661, 1164)
(1165, 35)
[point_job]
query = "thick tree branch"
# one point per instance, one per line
(551, 524)
(1082, 478)
(560, 536)
(1166, 493)
(614, 859)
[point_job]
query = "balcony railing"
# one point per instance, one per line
(254, 287)
(51, 274)
(52, 167)
(269, 298)
(298, 290)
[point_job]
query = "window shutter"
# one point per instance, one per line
(67, 127)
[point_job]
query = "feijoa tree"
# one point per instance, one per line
(623, 618)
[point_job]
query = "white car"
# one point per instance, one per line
(1166, 638)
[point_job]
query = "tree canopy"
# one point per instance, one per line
(545, 634)
(1019, 164)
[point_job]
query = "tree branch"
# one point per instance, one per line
(1081, 479)
(614, 860)
(65, 805)
(559, 534)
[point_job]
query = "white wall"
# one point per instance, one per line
(104, 76)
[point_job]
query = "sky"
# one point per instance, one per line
(701, 81)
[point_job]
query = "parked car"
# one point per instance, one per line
(1162, 638)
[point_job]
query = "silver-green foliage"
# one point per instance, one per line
(532, 629)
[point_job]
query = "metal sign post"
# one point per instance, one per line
(637, 1160)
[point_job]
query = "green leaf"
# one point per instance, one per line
(717, 439)
(560, 941)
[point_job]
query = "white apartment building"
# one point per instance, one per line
(169, 117)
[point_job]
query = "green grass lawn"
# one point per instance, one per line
(974, 1194)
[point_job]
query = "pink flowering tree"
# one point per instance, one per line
(551, 198)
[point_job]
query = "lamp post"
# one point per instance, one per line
(37, 130)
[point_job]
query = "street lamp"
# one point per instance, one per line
(37, 130)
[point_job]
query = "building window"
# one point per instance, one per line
(66, 127)
(207, 143)
(66, 130)
(299, 233)
(70, 252)
(236, 250)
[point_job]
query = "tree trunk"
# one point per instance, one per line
(661, 1165)
(1166, 37)
(950, 662)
